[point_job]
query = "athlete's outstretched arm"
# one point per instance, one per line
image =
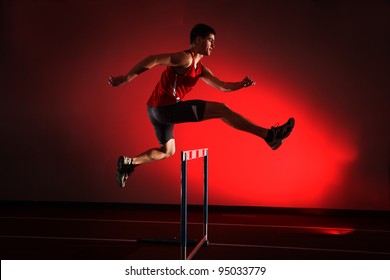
(209, 78)
(170, 59)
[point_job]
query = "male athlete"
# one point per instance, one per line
(166, 106)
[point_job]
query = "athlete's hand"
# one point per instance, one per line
(247, 82)
(117, 81)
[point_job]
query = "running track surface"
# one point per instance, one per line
(114, 231)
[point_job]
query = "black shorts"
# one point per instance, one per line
(164, 118)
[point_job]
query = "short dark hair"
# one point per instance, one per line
(202, 30)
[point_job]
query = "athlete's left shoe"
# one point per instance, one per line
(277, 134)
(125, 167)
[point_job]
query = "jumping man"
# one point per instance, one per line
(167, 108)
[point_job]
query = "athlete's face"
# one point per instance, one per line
(206, 45)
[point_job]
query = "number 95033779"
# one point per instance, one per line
(242, 270)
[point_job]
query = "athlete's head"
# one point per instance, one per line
(202, 39)
(201, 30)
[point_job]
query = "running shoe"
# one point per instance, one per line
(277, 134)
(124, 169)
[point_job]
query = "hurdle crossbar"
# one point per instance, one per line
(185, 157)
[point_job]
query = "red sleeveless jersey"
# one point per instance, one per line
(173, 87)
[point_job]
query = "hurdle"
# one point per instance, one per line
(185, 157)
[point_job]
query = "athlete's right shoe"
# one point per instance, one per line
(125, 167)
(277, 134)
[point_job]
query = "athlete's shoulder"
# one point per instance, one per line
(176, 59)
(182, 58)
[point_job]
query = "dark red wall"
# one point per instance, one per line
(324, 62)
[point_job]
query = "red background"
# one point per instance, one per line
(326, 63)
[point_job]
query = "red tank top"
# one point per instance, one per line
(173, 87)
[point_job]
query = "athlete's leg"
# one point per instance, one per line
(164, 134)
(126, 165)
(219, 110)
(165, 151)
(274, 137)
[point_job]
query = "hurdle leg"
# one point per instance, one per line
(183, 210)
(205, 198)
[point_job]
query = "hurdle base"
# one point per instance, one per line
(172, 241)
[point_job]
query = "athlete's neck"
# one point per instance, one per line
(197, 56)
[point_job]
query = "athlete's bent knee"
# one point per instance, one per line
(169, 153)
(168, 149)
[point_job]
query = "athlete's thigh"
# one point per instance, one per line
(163, 131)
(182, 112)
